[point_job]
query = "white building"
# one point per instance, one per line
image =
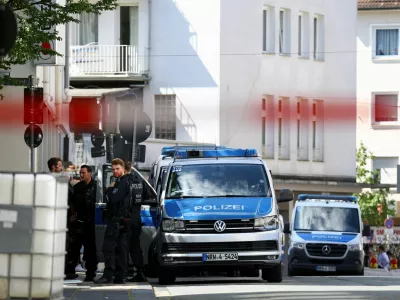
(378, 88)
(274, 75)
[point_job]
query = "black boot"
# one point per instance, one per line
(140, 277)
(103, 280)
(71, 276)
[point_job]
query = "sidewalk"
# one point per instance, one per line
(78, 290)
(381, 272)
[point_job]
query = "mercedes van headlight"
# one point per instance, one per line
(355, 247)
(170, 225)
(267, 223)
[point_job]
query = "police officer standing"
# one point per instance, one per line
(116, 243)
(135, 224)
(84, 203)
(55, 165)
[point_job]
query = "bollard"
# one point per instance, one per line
(33, 219)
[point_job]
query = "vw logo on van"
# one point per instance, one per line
(219, 226)
(326, 249)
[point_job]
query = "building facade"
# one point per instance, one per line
(378, 122)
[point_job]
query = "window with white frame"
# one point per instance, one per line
(303, 35)
(268, 126)
(317, 123)
(284, 31)
(284, 127)
(385, 108)
(318, 37)
(86, 31)
(165, 117)
(269, 29)
(386, 41)
(302, 128)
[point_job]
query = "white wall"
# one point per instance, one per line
(185, 61)
(247, 74)
(376, 76)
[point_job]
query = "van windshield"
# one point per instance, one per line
(218, 180)
(316, 218)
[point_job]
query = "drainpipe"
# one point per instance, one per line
(149, 37)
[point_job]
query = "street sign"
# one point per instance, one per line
(389, 223)
(8, 29)
(98, 137)
(143, 130)
(37, 136)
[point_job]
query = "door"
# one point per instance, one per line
(129, 21)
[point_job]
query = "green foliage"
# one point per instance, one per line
(32, 19)
(370, 200)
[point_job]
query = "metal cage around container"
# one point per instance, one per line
(33, 226)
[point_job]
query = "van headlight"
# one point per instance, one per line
(170, 225)
(267, 223)
(297, 245)
(355, 247)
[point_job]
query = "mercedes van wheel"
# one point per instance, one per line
(273, 274)
(166, 276)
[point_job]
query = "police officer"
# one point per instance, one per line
(55, 165)
(84, 203)
(135, 224)
(116, 243)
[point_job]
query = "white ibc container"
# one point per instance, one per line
(33, 216)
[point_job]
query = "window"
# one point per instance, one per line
(387, 167)
(284, 32)
(303, 35)
(317, 123)
(165, 117)
(268, 126)
(318, 37)
(302, 128)
(269, 29)
(387, 42)
(284, 128)
(385, 108)
(88, 28)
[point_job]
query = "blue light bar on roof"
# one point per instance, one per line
(227, 152)
(304, 197)
(170, 150)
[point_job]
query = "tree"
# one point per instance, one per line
(33, 16)
(375, 204)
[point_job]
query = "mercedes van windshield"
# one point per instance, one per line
(317, 218)
(218, 180)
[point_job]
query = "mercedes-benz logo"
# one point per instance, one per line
(326, 249)
(219, 226)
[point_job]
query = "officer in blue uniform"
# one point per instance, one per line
(116, 237)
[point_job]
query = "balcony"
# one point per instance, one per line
(94, 60)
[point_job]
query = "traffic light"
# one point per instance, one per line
(37, 109)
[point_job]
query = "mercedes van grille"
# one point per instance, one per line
(326, 250)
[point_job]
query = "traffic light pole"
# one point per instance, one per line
(32, 124)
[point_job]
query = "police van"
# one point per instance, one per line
(218, 210)
(326, 235)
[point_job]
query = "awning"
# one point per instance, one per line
(96, 92)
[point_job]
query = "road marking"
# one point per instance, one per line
(162, 292)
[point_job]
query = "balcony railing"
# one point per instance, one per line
(95, 60)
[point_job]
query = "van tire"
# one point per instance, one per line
(166, 276)
(273, 274)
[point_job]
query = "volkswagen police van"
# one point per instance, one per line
(326, 235)
(218, 210)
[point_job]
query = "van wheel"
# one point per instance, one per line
(166, 276)
(273, 274)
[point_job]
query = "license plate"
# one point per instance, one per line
(326, 269)
(220, 256)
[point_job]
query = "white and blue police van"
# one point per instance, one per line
(218, 211)
(326, 236)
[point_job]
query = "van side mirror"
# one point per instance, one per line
(286, 228)
(285, 195)
(366, 230)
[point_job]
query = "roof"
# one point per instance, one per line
(378, 4)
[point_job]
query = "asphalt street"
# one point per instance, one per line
(296, 288)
